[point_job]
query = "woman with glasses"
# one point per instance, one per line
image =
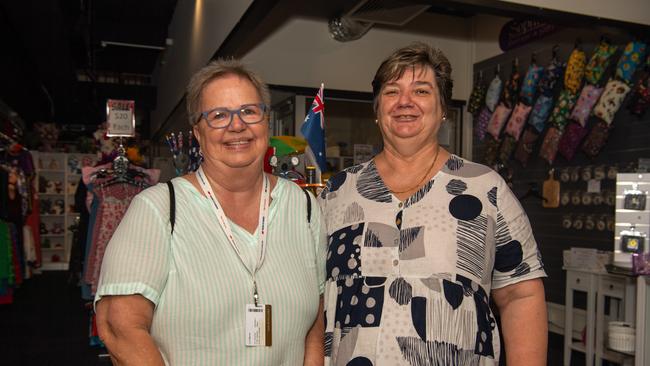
(238, 279)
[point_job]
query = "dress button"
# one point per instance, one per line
(395, 262)
(400, 205)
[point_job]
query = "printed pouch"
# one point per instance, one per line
(599, 62)
(499, 118)
(571, 140)
(507, 148)
(611, 99)
(563, 106)
(596, 139)
(517, 120)
(588, 97)
(476, 98)
(549, 148)
(491, 150)
(575, 71)
(540, 112)
(526, 145)
(631, 58)
(641, 98)
(482, 122)
(552, 79)
(493, 93)
(511, 89)
(529, 85)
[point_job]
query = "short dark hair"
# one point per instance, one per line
(411, 56)
(215, 70)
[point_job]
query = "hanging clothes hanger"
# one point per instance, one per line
(121, 172)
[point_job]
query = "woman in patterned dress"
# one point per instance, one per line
(420, 240)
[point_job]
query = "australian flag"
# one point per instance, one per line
(314, 130)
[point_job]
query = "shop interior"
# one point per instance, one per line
(577, 155)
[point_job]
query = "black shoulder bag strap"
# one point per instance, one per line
(172, 205)
(308, 205)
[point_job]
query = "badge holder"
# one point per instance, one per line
(258, 323)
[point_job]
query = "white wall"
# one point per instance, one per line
(198, 28)
(634, 11)
(302, 53)
(485, 34)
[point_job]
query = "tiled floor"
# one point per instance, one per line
(47, 325)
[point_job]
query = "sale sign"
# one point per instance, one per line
(120, 116)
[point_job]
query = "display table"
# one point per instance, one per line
(643, 321)
(619, 292)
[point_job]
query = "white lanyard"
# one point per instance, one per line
(223, 222)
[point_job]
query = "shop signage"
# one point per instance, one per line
(516, 33)
(120, 116)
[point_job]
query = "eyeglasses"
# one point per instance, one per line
(222, 117)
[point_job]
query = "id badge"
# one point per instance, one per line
(258, 325)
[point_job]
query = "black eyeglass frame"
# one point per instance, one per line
(233, 112)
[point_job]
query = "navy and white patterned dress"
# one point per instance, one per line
(408, 282)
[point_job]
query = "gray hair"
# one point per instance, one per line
(215, 70)
(411, 56)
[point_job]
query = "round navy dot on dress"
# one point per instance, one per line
(359, 361)
(508, 256)
(337, 181)
(465, 207)
(453, 293)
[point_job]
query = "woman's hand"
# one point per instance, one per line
(315, 340)
(123, 323)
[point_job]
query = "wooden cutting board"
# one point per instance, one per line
(551, 191)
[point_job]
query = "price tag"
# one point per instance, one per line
(120, 118)
(593, 186)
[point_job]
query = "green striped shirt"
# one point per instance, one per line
(200, 287)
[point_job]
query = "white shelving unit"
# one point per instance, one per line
(63, 171)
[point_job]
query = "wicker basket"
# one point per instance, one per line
(622, 336)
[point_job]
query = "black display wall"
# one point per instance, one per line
(629, 141)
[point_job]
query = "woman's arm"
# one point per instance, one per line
(523, 322)
(315, 340)
(123, 323)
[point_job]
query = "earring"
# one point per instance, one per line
(376, 121)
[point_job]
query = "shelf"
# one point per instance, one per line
(54, 266)
(50, 194)
(616, 356)
(50, 171)
(622, 353)
(52, 250)
(52, 215)
(578, 346)
(52, 235)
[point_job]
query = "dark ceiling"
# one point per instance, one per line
(58, 63)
